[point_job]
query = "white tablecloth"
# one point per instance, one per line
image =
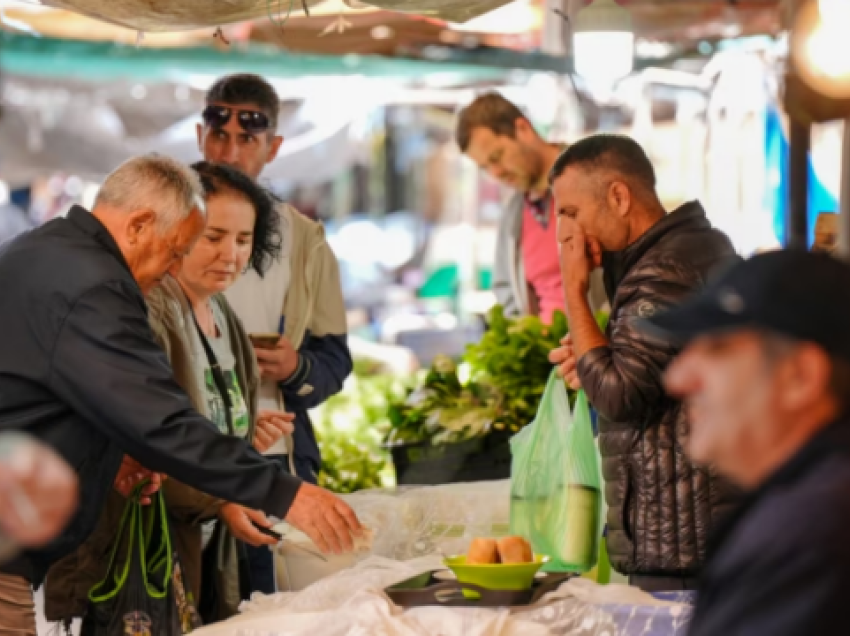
(351, 603)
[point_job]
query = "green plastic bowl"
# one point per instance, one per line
(497, 576)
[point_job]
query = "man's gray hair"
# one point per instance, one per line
(160, 183)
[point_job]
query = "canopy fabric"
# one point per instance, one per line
(55, 58)
(184, 15)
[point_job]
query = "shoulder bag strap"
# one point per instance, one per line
(218, 376)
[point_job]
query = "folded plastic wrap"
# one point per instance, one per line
(421, 521)
(185, 15)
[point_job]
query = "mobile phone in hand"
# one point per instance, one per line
(268, 531)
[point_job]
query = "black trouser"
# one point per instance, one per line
(261, 559)
(663, 583)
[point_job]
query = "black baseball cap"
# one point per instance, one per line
(793, 293)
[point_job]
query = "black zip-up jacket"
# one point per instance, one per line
(81, 371)
(661, 507)
(780, 566)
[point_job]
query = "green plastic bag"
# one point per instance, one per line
(556, 498)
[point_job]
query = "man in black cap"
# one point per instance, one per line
(765, 376)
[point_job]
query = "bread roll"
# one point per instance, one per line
(482, 552)
(515, 550)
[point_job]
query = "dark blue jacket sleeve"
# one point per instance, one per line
(323, 365)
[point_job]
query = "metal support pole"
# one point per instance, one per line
(555, 30)
(393, 179)
(844, 196)
(798, 189)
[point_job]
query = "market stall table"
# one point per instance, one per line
(352, 602)
(413, 527)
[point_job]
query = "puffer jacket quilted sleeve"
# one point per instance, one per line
(661, 507)
(623, 381)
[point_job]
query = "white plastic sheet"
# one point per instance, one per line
(421, 521)
(407, 523)
(413, 528)
(351, 603)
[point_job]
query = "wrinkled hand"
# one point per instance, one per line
(131, 474)
(38, 491)
(325, 518)
(238, 520)
(278, 364)
(579, 255)
(564, 359)
(271, 426)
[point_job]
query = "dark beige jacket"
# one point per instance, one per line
(69, 581)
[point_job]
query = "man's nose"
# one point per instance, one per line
(565, 227)
(681, 377)
(230, 153)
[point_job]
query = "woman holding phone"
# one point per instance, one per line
(214, 361)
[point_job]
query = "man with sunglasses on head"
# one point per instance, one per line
(299, 298)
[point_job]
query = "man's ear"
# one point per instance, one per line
(808, 377)
(524, 129)
(139, 223)
(619, 198)
(274, 148)
(200, 129)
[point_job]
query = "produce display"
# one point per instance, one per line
(351, 427)
(496, 387)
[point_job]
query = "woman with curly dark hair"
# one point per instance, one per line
(214, 362)
(234, 194)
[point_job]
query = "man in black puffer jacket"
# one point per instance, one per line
(661, 506)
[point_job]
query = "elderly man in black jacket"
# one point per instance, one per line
(765, 376)
(661, 507)
(80, 369)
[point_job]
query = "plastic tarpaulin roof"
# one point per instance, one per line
(184, 15)
(47, 57)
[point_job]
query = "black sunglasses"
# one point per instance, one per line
(251, 121)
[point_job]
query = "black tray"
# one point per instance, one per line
(425, 589)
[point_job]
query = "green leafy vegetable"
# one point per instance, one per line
(508, 370)
(351, 427)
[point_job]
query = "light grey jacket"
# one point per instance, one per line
(509, 283)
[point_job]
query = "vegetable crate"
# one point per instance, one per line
(485, 458)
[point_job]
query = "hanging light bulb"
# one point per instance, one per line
(820, 46)
(603, 42)
(509, 19)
